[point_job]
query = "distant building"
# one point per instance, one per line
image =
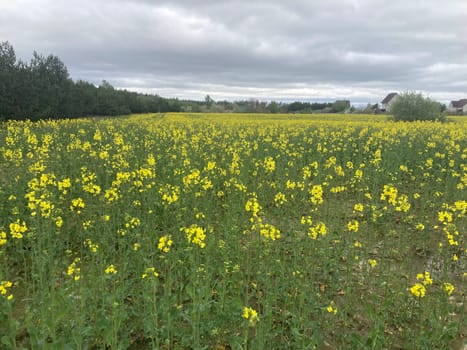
(459, 106)
(388, 101)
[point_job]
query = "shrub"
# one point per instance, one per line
(411, 106)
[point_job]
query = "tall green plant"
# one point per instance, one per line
(412, 106)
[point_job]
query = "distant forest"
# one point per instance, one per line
(43, 89)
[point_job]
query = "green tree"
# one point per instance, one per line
(209, 101)
(412, 106)
(8, 70)
(340, 106)
(273, 107)
(51, 87)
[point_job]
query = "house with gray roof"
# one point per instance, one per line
(458, 107)
(388, 101)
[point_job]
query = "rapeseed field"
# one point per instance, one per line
(217, 231)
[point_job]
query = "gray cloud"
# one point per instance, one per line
(359, 49)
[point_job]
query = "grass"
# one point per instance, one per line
(192, 231)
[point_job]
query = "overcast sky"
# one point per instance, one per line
(269, 50)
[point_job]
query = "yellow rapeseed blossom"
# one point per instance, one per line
(358, 207)
(444, 216)
(112, 194)
(253, 206)
(448, 288)
(3, 239)
(404, 168)
(316, 194)
(195, 234)
(280, 199)
(390, 194)
(358, 174)
(251, 315)
(352, 226)
(165, 242)
(269, 164)
(169, 193)
(17, 229)
(320, 229)
(73, 270)
(150, 272)
(269, 231)
(337, 189)
(132, 223)
(425, 277)
(110, 270)
(59, 222)
(420, 227)
(4, 289)
(331, 309)
(93, 247)
(402, 203)
(76, 205)
(418, 290)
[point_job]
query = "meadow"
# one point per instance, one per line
(205, 231)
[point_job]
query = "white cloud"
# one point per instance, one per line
(238, 49)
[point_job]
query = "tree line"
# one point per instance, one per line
(42, 88)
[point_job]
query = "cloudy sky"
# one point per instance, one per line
(236, 49)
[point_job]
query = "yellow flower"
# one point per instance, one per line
(3, 239)
(425, 277)
(4, 286)
(251, 315)
(195, 234)
(358, 207)
(111, 195)
(151, 160)
(93, 247)
(110, 270)
(150, 272)
(169, 193)
(269, 164)
(165, 242)
(17, 229)
(316, 194)
(352, 226)
(253, 206)
(331, 309)
(448, 288)
(59, 222)
(404, 168)
(73, 270)
(372, 262)
(269, 231)
(319, 229)
(76, 205)
(64, 185)
(444, 216)
(418, 290)
(280, 199)
(133, 223)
